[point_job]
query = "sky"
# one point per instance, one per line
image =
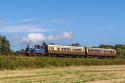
(89, 22)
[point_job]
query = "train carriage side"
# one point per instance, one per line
(101, 53)
(66, 51)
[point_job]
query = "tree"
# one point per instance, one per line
(106, 46)
(120, 49)
(27, 47)
(75, 44)
(119, 46)
(4, 46)
(44, 44)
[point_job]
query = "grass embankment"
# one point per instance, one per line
(22, 62)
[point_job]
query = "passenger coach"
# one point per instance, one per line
(66, 51)
(101, 53)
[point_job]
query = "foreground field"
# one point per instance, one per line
(75, 74)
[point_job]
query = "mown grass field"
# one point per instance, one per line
(21, 69)
(72, 74)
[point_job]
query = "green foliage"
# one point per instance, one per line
(106, 46)
(7, 62)
(120, 52)
(4, 46)
(75, 44)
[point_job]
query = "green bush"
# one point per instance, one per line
(21, 62)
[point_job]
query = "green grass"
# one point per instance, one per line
(22, 62)
(72, 74)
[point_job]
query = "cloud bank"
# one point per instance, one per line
(58, 21)
(33, 31)
(23, 25)
(23, 28)
(39, 37)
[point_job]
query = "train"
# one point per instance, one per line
(69, 51)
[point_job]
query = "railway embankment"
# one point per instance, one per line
(22, 62)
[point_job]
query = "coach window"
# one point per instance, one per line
(52, 48)
(75, 49)
(89, 50)
(58, 48)
(111, 52)
(92, 50)
(65, 49)
(68, 49)
(105, 52)
(79, 50)
(62, 49)
(108, 52)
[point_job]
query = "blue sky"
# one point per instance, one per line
(90, 22)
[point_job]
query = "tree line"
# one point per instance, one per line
(4, 46)
(6, 50)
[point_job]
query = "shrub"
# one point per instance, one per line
(21, 62)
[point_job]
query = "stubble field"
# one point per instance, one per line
(72, 74)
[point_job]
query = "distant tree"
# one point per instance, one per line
(4, 46)
(27, 47)
(75, 44)
(120, 53)
(20, 52)
(52, 43)
(119, 46)
(120, 49)
(106, 46)
(94, 47)
(44, 43)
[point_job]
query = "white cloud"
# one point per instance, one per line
(23, 28)
(24, 25)
(36, 37)
(39, 37)
(26, 20)
(67, 35)
(58, 21)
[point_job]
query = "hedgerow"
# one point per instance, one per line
(21, 62)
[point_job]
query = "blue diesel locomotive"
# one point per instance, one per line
(36, 50)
